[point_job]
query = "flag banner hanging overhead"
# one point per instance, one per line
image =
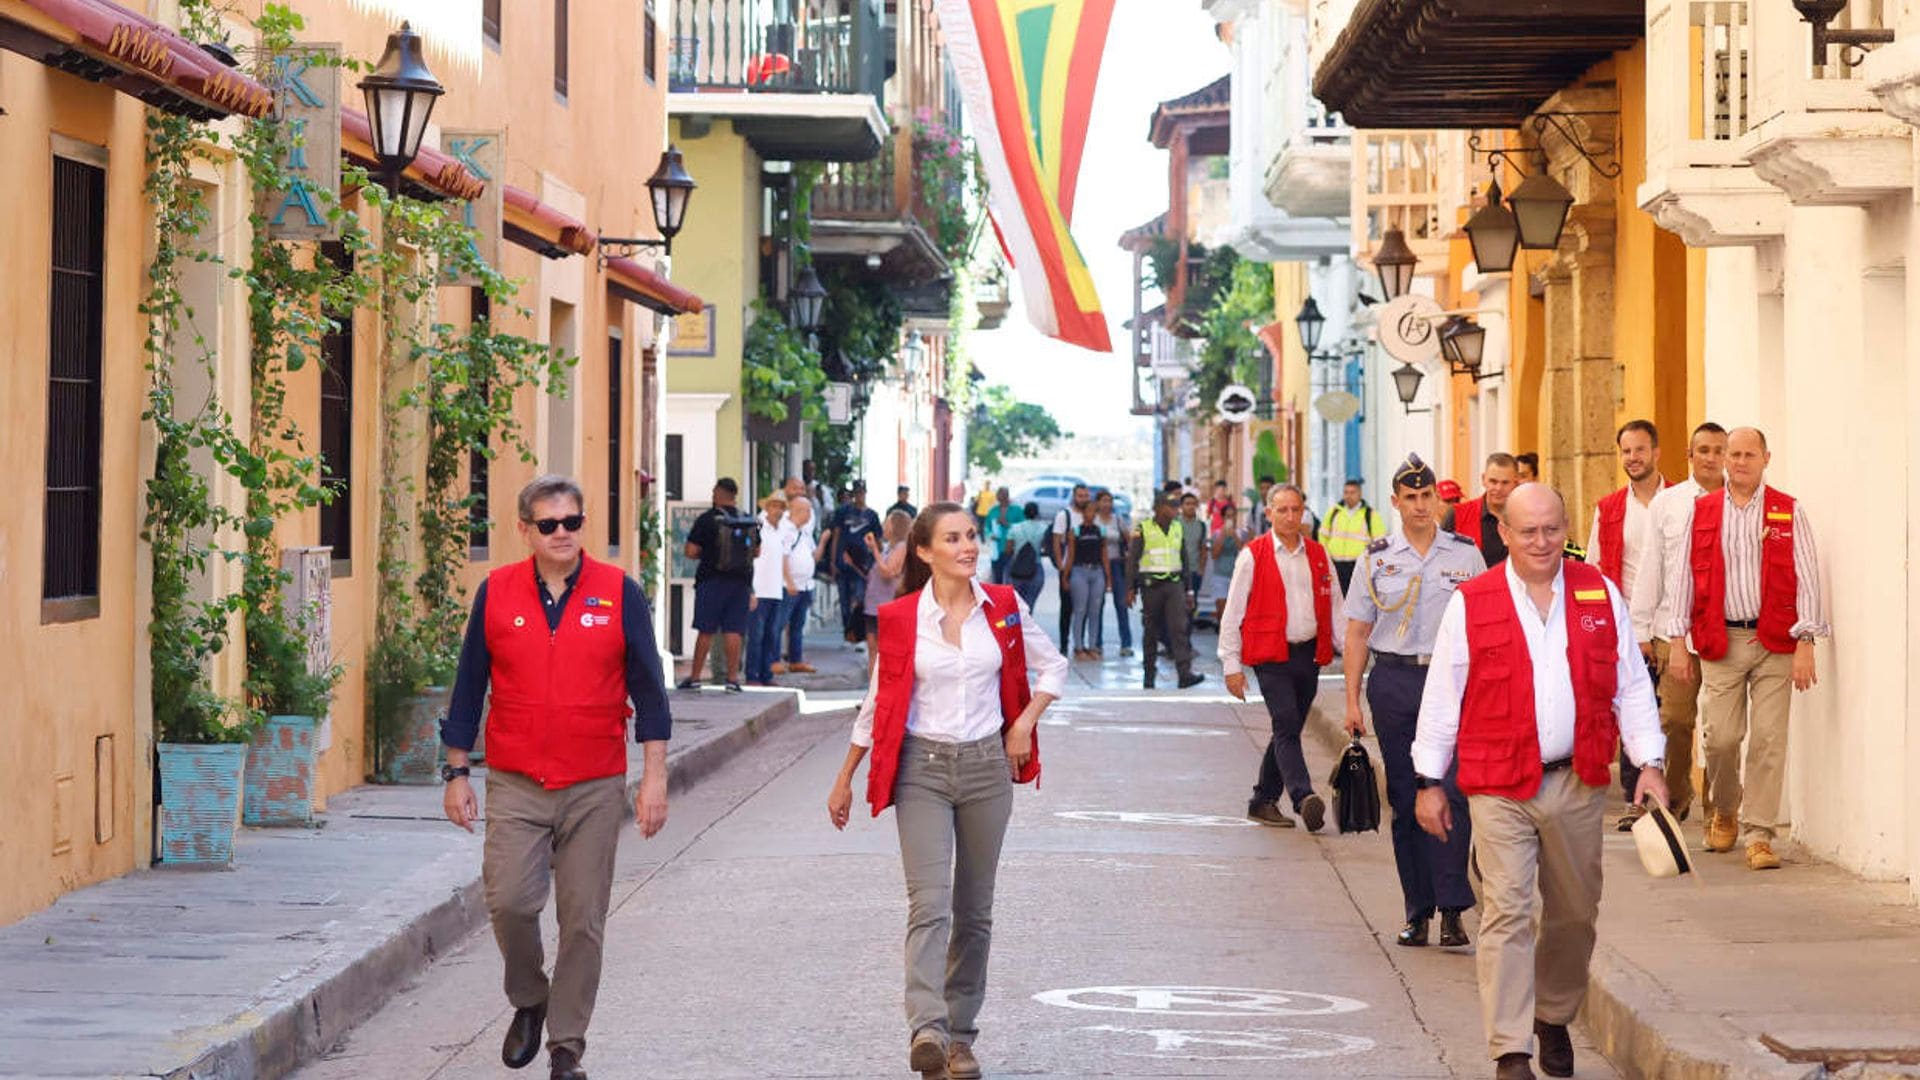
(1027, 69)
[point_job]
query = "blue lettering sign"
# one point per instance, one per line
(299, 196)
(297, 150)
(294, 80)
(463, 151)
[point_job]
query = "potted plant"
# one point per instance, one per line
(290, 696)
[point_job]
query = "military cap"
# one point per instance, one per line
(1413, 473)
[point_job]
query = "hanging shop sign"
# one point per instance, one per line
(484, 153)
(306, 99)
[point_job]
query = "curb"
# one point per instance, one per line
(274, 1039)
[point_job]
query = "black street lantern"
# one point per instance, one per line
(1540, 208)
(670, 187)
(808, 297)
(1406, 383)
(1394, 262)
(1493, 233)
(1311, 322)
(400, 95)
(1464, 342)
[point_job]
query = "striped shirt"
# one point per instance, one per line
(1740, 548)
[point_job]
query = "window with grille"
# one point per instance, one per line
(490, 21)
(651, 43)
(70, 567)
(616, 415)
(479, 533)
(560, 47)
(336, 423)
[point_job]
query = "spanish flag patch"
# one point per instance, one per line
(1778, 515)
(1590, 596)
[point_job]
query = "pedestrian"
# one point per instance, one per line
(1533, 664)
(1257, 513)
(883, 578)
(1027, 572)
(1217, 506)
(1115, 528)
(1227, 541)
(1526, 467)
(984, 502)
(1478, 519)
(556, 760)
(1450, 494)
(1652, 606)
(1280, 620)
(725, 543)
(818, 491)
(1156, 570)
(1618, 545)
(1061, 539)
(1749, 592)
(1348, 529)
(1087, 571)
(767, 615)
(1393, 613)
(850, 554)
(950, 723)
(1193, 540)
(901, 503)
(995, 524)
(802, 561)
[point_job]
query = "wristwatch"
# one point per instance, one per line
(448, 773)
(1422, 783)
(1655, 763)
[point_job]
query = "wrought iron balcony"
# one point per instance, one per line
(780, 46)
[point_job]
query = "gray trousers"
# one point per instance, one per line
(1163, 619)
(1088, 583)
(951, 802)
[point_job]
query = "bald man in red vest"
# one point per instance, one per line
(1535, 674)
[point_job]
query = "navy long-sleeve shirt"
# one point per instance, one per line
(646, 686)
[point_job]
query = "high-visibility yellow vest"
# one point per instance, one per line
(1346, 533)
(1160, 549)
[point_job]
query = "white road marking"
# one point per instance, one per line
(1274, 1044)
(1150, 729)
(1200, 1001)
(1132, 817)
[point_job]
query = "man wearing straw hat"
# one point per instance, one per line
(1534, 676)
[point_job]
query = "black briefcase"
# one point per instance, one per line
(1356, 797)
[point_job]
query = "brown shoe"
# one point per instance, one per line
(1722, 830)
(1514, 1067)
(928, 1055)
(798, 668)
(1760, 856)
(777, 668)
(961, 1064)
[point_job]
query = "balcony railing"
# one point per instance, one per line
(1700, 78)
(1396, 186)
(785, 46)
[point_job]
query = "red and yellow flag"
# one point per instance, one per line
(1027, 69)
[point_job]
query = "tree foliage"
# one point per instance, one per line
(1005, 427)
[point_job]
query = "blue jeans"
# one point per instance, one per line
(798, 606)
(1117, 585)
(1029, 587)
(1088, 587)
(763, 638)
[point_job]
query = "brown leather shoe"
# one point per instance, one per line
(777, 668)
(961, 1064)
(1514, 1067)
(1760, 856)
(1556, 1048)
(1722, 830)
(928, 1055)
(800, 668)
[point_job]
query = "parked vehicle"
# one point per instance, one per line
(1055, 495)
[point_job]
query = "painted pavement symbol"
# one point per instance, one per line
(1150, 729)
(1273, 1044)
(1131, 817)
(1200, 1001)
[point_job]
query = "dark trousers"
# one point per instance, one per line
(1433, 872)
(1629, 772)
(1344, 569)
(853, 604)
(1000, 570)
(1288, 688)
(1066, 610)
(1163, 620)
(1029, 587)
(1117, 588)
(763, 637)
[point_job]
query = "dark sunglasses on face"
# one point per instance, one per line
(571, 523)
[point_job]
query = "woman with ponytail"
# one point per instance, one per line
(949, 719)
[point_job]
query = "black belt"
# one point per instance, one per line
(1743, 624)
(1394, 659)
(1556, 765)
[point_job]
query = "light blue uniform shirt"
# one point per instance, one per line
(1392, 566)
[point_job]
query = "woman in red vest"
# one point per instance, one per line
(950, 721)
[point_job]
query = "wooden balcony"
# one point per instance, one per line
(871, 208)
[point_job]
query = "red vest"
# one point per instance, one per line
(1779, 581)
(1466, 519)
(559, 712)
(1263, 629)
(1613, 531)
(899, 635)
(1499, 743)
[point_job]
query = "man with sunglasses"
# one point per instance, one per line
(565, 642)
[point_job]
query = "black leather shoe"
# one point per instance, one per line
(1556, 1048)
(1452, 934)
(1513, 1067)
(1147, 683)
(1191, 680)
(566, 1065)
(522, 1043)
(1414, 933)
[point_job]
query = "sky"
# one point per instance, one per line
(1156, 49)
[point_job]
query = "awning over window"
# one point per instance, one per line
(631, 281)
(107, 43)
(432, 174)
(540, 228)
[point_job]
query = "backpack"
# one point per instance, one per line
(1025, 563)
(738, 535)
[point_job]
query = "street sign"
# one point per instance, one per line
(839, 399)
(1236, 404)
(1409, 329)
(1336, 406)
(306, 98)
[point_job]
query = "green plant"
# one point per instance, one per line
(653, 547)
(1230, 352)
(1266, 458)
(1004, 427)
(948, 185)
(777, 366)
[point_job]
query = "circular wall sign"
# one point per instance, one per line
(1235, 403)
(1409, 329)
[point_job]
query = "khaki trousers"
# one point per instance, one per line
(1679, 704)
(1537, 861)
(569, 836)
(1746, 695)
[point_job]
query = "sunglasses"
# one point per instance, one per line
(571, 523)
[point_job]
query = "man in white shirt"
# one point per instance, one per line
(765, 618)
(1533, 663)
(802, 561)
(1652, 605)
(1617, 545)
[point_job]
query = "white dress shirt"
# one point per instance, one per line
(1668, 517)
(1546, 640)
(956, 692)
(769, 566)
(1296, 573)
(1634, 534)
(1740, 535)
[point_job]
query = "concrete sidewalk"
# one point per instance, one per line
(1802, 972)
(247, 972)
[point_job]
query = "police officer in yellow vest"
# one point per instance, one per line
(1347, 530)
(1157, 569)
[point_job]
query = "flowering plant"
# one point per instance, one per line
(949, 186)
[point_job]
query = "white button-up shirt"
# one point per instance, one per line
(1546, 639)
(1740, 535)
(1666, 541)
(769, 566)
(956, 692)
(1636, 534)
(1296, 574)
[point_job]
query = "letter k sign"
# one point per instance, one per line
(464, 151)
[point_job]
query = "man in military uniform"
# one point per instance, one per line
(1400, 590)
(1157, 569)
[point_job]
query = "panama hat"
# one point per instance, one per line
(1663, 850)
